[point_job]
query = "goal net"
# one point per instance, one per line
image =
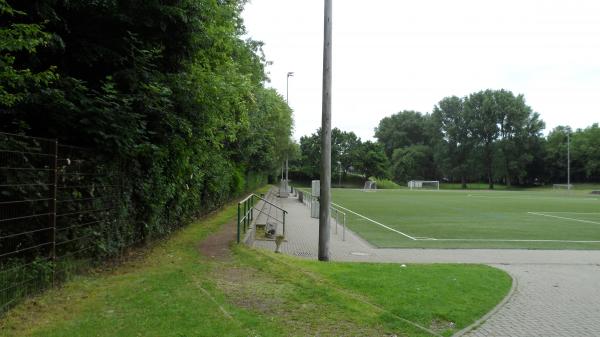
(562, 187)
(369, 186)
(424, 184)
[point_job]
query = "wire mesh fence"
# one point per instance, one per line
(56, 202)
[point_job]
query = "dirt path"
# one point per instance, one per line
(216, 246)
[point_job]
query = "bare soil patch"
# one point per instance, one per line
(216, 246)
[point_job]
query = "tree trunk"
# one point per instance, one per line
(490, 178)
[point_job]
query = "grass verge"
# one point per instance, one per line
(174, 291)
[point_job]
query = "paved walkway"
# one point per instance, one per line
(557, 292)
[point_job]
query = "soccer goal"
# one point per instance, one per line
(567, 187)
(424, 184)
(369, 186)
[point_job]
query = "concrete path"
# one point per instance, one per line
(557, 292)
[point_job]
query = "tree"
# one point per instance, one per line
(403, 129)
(17, 82)
(519, 128)
(412, 162)
(172, 88)
(373, 162)
(587, 150)
(456, 143)
(345, 149)
(482, 115)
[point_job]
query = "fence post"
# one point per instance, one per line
(344, 229)
(238, 224)
(283, 223)
(251, 208)
(245, 215)
(337, 220)
(52, 204)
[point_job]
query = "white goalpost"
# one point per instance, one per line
(567, 187)
(369, 186)
(424, 184)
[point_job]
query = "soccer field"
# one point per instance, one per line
(473, 219)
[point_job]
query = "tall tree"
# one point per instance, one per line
(373, 162)
(403, 129)
(519, 127)
(457, 142)
(482, 115)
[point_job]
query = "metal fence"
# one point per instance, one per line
(56, 202)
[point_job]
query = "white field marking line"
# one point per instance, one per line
(511, 240)
(375, 222)
(523, 198)
(582, 213)
(464, 240)
(564, 218)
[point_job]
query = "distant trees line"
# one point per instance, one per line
(490, 135)
(173, 89)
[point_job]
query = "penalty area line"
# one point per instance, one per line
(563, 217)
(375, 222)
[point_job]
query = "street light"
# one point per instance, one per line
(287, 86)
(568, 159)
(285, 181)
(340, 174)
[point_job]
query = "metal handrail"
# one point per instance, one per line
(268, 215)
(246, 214)
(337, 212)
(268, 202)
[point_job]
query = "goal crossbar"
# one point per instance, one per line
(420, 184)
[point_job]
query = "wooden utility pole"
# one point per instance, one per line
(325, 197)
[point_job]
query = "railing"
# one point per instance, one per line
(307, 199)
(245, 214)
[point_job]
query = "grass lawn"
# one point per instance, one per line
(171, 290)
(538, 218)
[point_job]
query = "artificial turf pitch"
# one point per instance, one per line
(473, 219)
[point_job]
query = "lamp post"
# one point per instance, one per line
(287, 100)
(339, 174)
(287, 86)
(568, 160)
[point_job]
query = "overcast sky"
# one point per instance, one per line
(393, 55)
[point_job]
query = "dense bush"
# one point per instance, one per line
(166, 94)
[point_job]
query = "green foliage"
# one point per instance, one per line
(167, 95)
(585, 154)
(373, 162)
(412, 162)
(348, 154)
(491, 134)
(16, 81)
(385, 184)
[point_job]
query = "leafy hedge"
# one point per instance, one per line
(166, 94)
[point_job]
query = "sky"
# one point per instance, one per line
(393, 55)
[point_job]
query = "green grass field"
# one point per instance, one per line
(170, 289)
(535, 219)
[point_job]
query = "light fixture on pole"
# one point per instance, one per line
(340, 174)
(287, 86)
(568, 159)
(285, 181)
